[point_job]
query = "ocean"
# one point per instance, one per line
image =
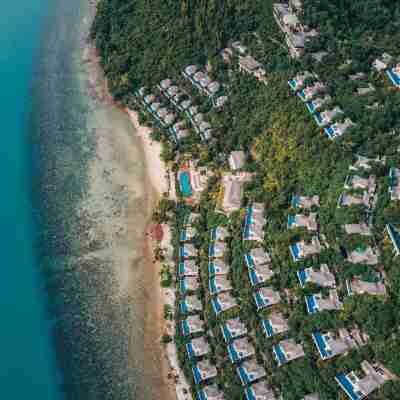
(75, 204)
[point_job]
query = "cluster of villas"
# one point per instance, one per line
(192, 180)
(319, 104)
(387, 65)
(200, 79)
(296, 34)
(246, 62)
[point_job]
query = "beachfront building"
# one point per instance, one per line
(287, 350)
(223, 302)
(203, 370)
(318, 302)
(321, 277)
(308, 222)
(260, 273)
(309, 92)
(240, 349)
(219, 284)
(346, 200)
(298, 82)
(197, 347)
(260, 391)
(217, 250)
(331, 344)
(187, 234)
(275, 324)
(359, 287)
(219, 234)
(232, 329)
(394, 237)
(192, 324)
(188, 268)
(187, 251)
(318, 103)
(218, 267)
(232, 194)
(257, 257)
(266, 297)
(190, 304)
(250, 371)
(353, 182)
(305, 202)
(359, 384)
(326, 117)
(210, 392)
(366, 255)
(237, 160)
(302, 249)
(254, 222)
(394, 183)
(338, 128)
(357, 229)
(188, 284)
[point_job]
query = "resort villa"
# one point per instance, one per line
(188, 268)
(257, 256)
(306, 202)
(190, 304)
(359, 384)
(359, 286)
(187, 234)
(287, 350)
(326, 117)
(356, 182)
(347, 200)
(217, 250)
(251, 66)
(338, 128)
(187, 251)
(332, 344)
(192, 324)
(318, 303)
(322, 277)
(299, 80)
(203, 371)
(394, 183)
(188, 284)
(275, 324)
(197, 347)
(219, 284)
(394, 237)
(260, 274)
(254, 222)
(218, 267)
(249, 371)
(302, 249)
(223, 302)
(210, 392)
(260, 391)
(237, 160)
(318, 103)
(308, 222)
(357, 229)
(364, 163)
(309, 92)
(219, 233)
(232, 193)
(233, 328)
(266, 297)
(240, 349)
(366, 255)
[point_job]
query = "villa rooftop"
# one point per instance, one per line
(260, 391)
(187, 251)
(306, 202)
(367, 256)
(260, 274)
(318, 303)
(358, 286)
(322, 277)
(219, 233)
(192, 324)
(354, 199)
(303, 221)
(197, 347)
(190, 304)
(249, 371)
(217, 250)
(219, 284)
(210, 392)
(233, 328)
(188, 268)
(240, 349)
(394, 236)
(287, 350)
(218, 267)
(257, 256)
(302, 249)
(275, 324)
(266, 297)
(357, 229)
(204, 370)
(223, 302)
(237, 160)
(357, 182)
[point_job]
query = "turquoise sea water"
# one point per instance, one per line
(28, 367)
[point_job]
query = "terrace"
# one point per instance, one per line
(219, 284)
(240, 349)
(223, 302)
(260, 391)
(233, 328)
(301, 250)
(188, 268)
(286, 351)
(322, 277)
(275, 324)
(210, 392)
(218, 267)
(190, 304)
(366, 255)
(197, 347)
(308, 222)
(192, 324)
(306, 202)
(373, 376)
(249, 371)
(203, 371)
(266, 297)
(318, 303)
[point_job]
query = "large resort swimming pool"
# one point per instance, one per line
(184, 184)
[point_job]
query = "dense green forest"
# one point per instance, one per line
(142, 42)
